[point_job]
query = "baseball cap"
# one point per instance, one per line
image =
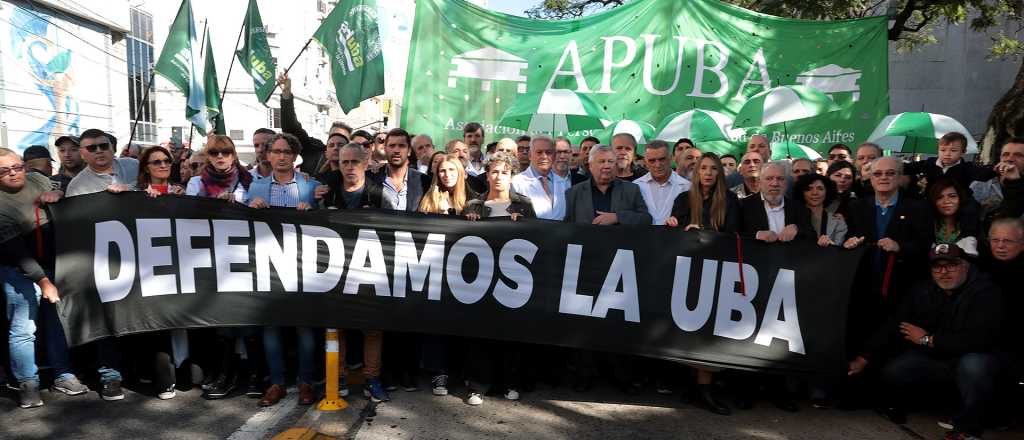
(67, 138)
(36, 152)
(945, 252)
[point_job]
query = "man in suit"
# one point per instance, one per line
(771, 216)
(403, 185)
(605, 200)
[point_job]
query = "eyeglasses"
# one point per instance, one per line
(4, 171)
(281, 152)
(940, 267)
(104, 147)
(160, 162)
(219, 153)
(886, 173)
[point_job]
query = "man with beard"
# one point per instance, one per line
(261, 168)
(473, 137)
(403, 186)
(770, 216)
(686, 159)
(70, 161)
(624, 145)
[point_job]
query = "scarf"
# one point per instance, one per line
(216, 182)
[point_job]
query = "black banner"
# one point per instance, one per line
(127, 264)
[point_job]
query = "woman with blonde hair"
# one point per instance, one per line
(448, 192)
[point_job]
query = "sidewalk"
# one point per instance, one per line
(603, 413)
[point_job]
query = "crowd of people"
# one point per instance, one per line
(929, 315)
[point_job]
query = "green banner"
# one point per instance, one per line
(351, 38)
(643, 61)
(214, 111)
(254, 55)
(179, 64)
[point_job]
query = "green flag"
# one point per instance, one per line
(643, 61)
(213, 109)
(255, 54)
(179, 64)
(350, 37)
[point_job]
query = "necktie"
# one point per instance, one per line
(544, 184)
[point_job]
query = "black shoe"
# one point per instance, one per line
(408, 383)
(253, 389)
(112, 391)
(220, 389)
(893, 414)
(787, 405)
(706, 398)
(744, 402)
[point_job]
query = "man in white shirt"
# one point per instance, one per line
(539, 181)
(660, 186)
(769, 216)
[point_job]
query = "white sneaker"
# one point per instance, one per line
(167, 394)
(512, 395)
(474, 399)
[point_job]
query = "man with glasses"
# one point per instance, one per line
(26, 275)
(839, 152)
(260, 143)
(539, 182)
(945, 332)
(564, 158)
(523, 151)
(104, 172)
(423, 148)
(289, 189)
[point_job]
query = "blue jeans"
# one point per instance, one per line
(275, 354)
(974, 374)
(22, 310)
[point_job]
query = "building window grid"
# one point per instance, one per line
(140, 60)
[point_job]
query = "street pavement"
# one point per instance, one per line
(544, 414)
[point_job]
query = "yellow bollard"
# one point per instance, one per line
(332, 402)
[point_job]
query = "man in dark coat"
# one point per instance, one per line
(603, 199)
(946, 330)
(770, 216)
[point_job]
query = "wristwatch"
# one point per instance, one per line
(925, 340)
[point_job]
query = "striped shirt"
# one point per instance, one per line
(285, 194)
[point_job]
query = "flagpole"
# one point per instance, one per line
(310, 40)
(234, 56)
(145, 100)
(202, 50)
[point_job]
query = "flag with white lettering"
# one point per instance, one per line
(127, 263)
(179, 64)
(254, 55)
(643, 61)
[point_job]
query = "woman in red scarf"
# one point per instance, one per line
(223, 176)
(155, 172)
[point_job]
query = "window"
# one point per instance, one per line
(274, 117)
(321, 6)
(142, 105)
(237, 135)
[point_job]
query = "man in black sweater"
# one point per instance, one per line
(945, 331)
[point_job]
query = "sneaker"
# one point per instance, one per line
(957, 435)
(69, 385)
(28, 393)
(946, 423)
(211, 381)
(512, 395)
(375, 391)
(391, 388)
(440, 385)
(253, 389)
(167, 393)
(475, 399)
(342, 387)
(220, 388)
(112, 390)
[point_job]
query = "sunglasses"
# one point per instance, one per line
(218, 153)
(103, 147)
(160, 162)
(11, 170)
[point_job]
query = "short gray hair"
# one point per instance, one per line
(782, 165)
(599, 148)
(803, 159)
(631, 138)
(1013, 222)
(502, 158)
(541, 138)
(361, 152)
(657, 144)
(899, 164)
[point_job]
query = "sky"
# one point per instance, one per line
(514, 7)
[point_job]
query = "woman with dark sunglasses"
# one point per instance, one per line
(222, 177)
(155, 172)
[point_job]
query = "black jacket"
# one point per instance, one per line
(1006, 275)
(681, 211)
(520, 205)
(312, 149)
(968, 321)
(417, 186)
(911, 227)
(373, 194)
(963, 172)
(753, 217)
